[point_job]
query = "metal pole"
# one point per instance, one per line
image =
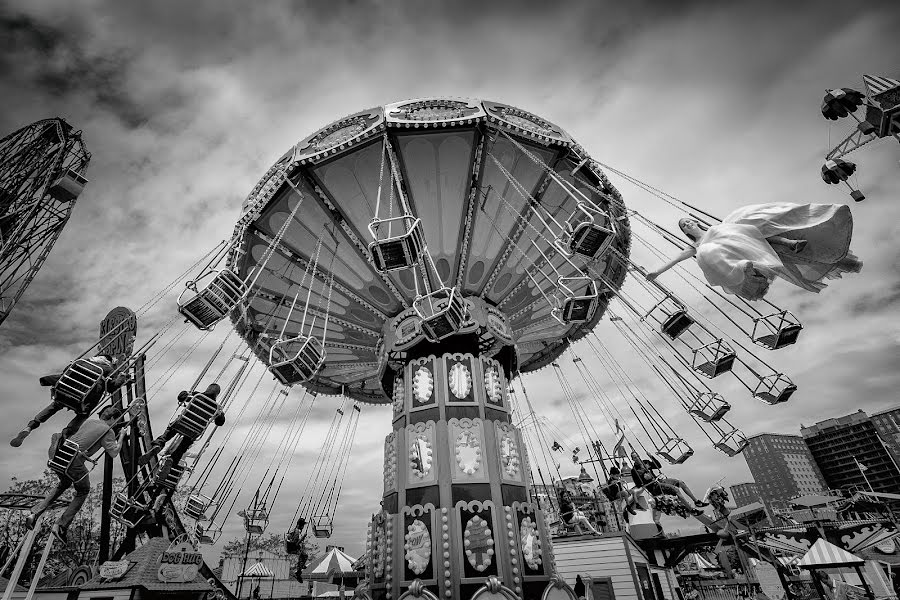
(243, 567)
(865, 583)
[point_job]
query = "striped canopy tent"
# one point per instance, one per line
(334, 564)
(824, 555)
(259, 570)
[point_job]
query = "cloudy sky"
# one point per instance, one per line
(184, 106)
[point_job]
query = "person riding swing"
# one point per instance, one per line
(91, 436)
(570, 514)
(646, 473)
(626, 500)
(178, 426)
(108, 382)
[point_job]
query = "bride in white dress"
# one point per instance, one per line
(801, 243)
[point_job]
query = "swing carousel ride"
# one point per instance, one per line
(426, 255)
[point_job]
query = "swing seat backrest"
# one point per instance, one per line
(213, 302)
(592, 232)
(580, 299)
(195, 416)
(77, 383)
(322, 526)
(676, 323)
(402, 250)
(296, 360)
(67, 452)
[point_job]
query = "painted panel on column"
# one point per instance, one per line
(398, 398)
(509, 452)
(419, 544)
(423, 377)
(468, 452)
(460, 379)
(494, 383)
(390, 463)
(421, 466)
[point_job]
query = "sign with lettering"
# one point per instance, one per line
(114, 569)
(117, 333)
(180, 563)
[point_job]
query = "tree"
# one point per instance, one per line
(84, 532)
(272, 542)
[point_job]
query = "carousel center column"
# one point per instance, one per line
(457, 513)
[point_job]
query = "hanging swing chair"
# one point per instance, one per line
(776, 330)
(209, 304)
(76, 383)
(774, 389)
(579, 299)
(210, 535)
(732, 442)
(443, 312)
(127, 511)
(64, 457)
(195, 415)
(589, 231)
(675, 450)
(394, 252)
(713, 359)
(197, 505)
(675, 319)
(296, 360)
(168, 475)
(256, 520)
(322, 526)
(709, 406)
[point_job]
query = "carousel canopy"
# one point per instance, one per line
(334, 563)
(824, 554)
(482, 178)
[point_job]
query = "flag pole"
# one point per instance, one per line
(862, 471)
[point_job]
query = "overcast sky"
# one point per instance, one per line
(185, 105)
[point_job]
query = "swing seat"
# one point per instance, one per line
(709, 406)
(676, 324)
(127, 511)
(195, 416)
(168, 475)
(322, 526)
(211, 304)
(292, 366)
(256, 520)
(68, 187)
(713, 359)
(209, 537)
(443, 313)
(66, 454)
(675, 450)
(588, 231)
(197, 505)
(776, 330)
(774, 389)
(77, 383)
(397, 251)
(732, 443)
(577, 306)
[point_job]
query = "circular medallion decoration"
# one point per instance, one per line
(423, 385)
(432, 110)
(531, 544)
(420, 456)
(509, 456)
(339, 133)
(468, 452)
(460, 380)
(418, 547)
(492, 385)
(887, 547)
(478, 543)
(398, 396)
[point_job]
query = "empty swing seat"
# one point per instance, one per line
(127, 511)
(296, 360)
(256, 520)
(578, 306)
(209, 536)
(213, 303)
(676, 323)
(776, 330)
(68, 187)
(709, 406)
(774, 389)
(732, 443)
(675, 450)
(713, 359)
(195, 416)
(443, 313)
(397, 251)
(77, 382)
(590, 239)
(196, 506)
(322, 526)
(65, 455)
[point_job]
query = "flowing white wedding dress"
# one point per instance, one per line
(736, 255)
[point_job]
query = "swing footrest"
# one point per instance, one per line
(195, 416)
(709, 406)
(79, 380)
(397, 252)
(213, 303)
(296, 360)
(443, 313)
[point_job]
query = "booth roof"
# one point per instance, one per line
(143, 573)
(825, 554)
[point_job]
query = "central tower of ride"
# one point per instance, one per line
(423, 254)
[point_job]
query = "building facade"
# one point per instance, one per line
(851, 452)
(782, 468)
(887, 422)
(745, 493)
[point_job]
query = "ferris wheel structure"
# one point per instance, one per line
(42, 168)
